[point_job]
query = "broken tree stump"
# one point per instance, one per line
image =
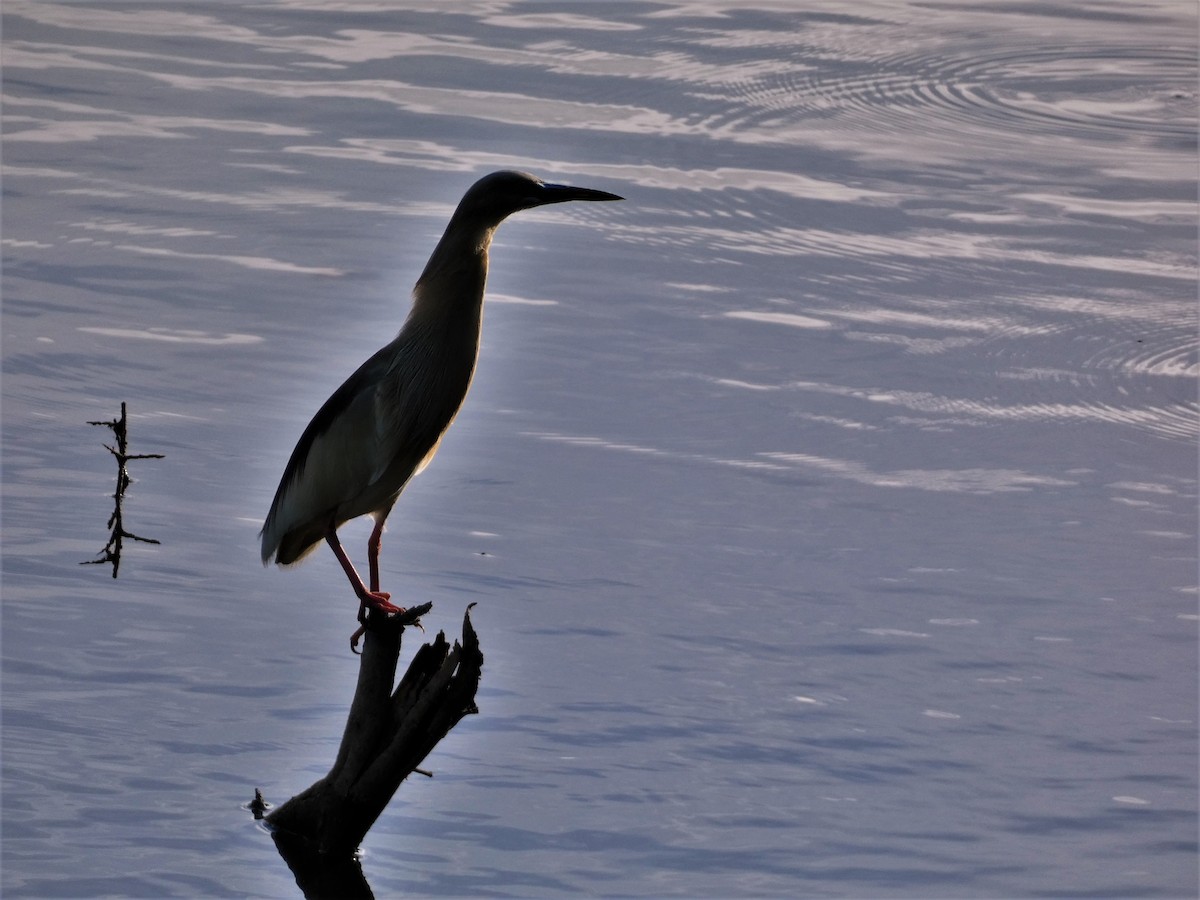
(388, 733)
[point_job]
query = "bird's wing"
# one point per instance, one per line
(379, 428)
(334, 460)
(408, 418)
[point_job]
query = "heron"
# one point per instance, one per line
(386, 421)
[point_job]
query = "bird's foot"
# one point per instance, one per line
(410, 616)
(379, 600)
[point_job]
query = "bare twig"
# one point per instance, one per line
(112, 550)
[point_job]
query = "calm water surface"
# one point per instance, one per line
(829, 505)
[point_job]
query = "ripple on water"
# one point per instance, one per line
(1119, 359)
(990, 96)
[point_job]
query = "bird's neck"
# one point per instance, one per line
(451, 287)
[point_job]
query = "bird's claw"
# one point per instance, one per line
(380, 600)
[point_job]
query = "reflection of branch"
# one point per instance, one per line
(112, 550)
(320, 877)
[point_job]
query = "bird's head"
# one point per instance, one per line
(495, 197)
(487, 203)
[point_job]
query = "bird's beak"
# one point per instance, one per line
(561, 193)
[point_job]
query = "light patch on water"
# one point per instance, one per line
(113, 226)
(894, 632)
(173, 335)
(97, 123)
(922, 245)
(1148, 487)
(626, 447)
(479, 104)
(248, 262)
(430, 156)
(792, 320)
(698, 288)
(1136, 309)
(935, 320)
(974, 480)
(1129, 210)
(19, 244)
(919, 346)
(140, 128)
(1129, 501)
(726, 178)
(266, 167)
(557, 20)
(1172, 421)
(848, 424)
(518, 301)
(746, 385)
(275, 198)
(971, 481)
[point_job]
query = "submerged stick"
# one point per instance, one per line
(117, 533)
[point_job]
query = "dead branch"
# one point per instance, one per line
(388, 733)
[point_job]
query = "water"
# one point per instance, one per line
(829, 505)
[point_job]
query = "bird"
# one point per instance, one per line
(385, 423)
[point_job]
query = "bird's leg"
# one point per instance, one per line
(374, 599)
(373, 545)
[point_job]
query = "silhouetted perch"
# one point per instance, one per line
(388, 733)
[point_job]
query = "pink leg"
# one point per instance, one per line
(375, 599)
(373, 545)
